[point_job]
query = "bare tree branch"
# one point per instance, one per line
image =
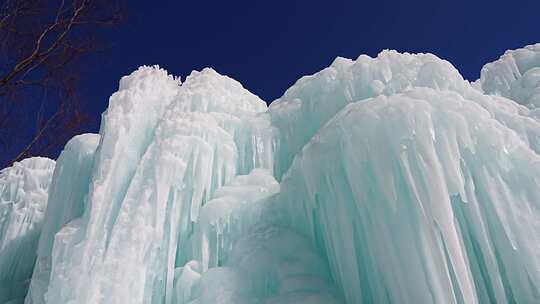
(42, 46)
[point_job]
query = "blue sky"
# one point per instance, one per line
(268, 45)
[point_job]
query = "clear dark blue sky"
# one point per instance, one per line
(268, 45)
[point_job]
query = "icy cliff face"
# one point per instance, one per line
(379, 180)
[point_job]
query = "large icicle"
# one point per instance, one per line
(23, 199)
(421, 197)
(164, 150)
(127, 129)
(69, 187)
(190, 156)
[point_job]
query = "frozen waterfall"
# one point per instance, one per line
(377, 180)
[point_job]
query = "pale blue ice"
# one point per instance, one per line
(376, 180)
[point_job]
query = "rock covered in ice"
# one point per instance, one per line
(23, 200)
(516, 75)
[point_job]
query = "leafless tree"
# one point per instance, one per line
(43, 48)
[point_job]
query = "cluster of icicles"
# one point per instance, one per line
(379, 180)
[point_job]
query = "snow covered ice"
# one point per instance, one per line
(377, 180)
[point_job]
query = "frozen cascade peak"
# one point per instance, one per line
(164, 149)
(315, 99)
(376, 180)
(208, 91)
(516, 75)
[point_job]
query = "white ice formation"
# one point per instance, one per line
(516, 75)
(23, 200)
(377, 180)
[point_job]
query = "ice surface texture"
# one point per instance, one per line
(515, 75)
(376, 180)
(433, 199)
(67, 192)
(23, 200)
